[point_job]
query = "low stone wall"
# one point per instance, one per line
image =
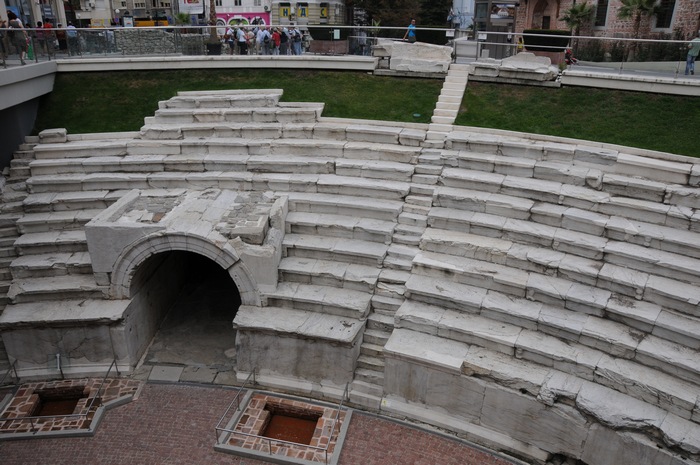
(159, 41)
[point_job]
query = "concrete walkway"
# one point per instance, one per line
(174, 424)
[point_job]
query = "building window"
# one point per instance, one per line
(285, 10)
(601, 13)
(257, 3)
(324, 11)
(237, 3)
(664, 16)
(302, 10)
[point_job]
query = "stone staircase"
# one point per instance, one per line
(13, 192)
(481, 269)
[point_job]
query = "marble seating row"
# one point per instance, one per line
(230, 98)
(298, 113)
(602, 250)
(578, 321)
(613, 392)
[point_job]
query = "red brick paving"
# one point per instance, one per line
(172, 424)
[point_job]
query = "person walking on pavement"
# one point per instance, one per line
(411, 32)
(693, 52)
(18, 36)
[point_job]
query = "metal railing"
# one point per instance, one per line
(33, 419)
(236, 401)
(270, 441)
(660, 55)
(11, 369)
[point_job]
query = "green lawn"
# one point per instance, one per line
(667, 123)
(118, 101)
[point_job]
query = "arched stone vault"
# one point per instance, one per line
(222, 254)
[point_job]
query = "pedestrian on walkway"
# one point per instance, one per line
(693, 51)
(3, 46)
(242, 38)
(411, 32)
(276, 41)
(17, 35)
(73, 40)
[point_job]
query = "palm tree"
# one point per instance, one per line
(213, 43)
(635, 9)
(578, 15)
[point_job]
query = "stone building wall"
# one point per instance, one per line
(686, 19)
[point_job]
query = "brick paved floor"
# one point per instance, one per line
(173, 424)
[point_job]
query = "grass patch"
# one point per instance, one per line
(667, 123)
(119, 101)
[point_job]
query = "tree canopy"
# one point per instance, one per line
(578, 15)
(635, 10)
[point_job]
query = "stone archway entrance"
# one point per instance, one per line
(196, 301)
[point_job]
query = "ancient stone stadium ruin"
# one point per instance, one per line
(534, 295)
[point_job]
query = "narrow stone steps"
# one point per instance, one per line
(375, 337)
(370, 363)
(380, 322)
(370, 377)
(371, 350)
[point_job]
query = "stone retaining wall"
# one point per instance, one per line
(158, 41)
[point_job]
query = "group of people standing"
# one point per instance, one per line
(40, 40)
(265, 40)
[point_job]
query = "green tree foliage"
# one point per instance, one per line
(577, 16)
(434, 12)
(636, 10)
(391, 12)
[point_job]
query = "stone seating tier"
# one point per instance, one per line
(539, 350)
(611, 193)
(53, 264)
(319, 298)
(564, 320)
(296, 114)
(54, 221)
(329, 273)
(596, 282)
(543, 386)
